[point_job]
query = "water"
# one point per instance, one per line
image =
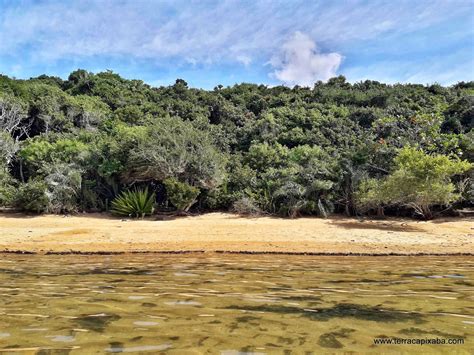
(232, 304)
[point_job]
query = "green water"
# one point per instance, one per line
(231, 304)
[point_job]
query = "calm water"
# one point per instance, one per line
(232, 304)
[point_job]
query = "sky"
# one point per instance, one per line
(270, 42)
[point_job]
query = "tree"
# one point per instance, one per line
(86, 112)
(8, 148)
(370, 196)
(418, 181)
(31, 196)
(8, 189)
(11, 116)
(63, 182)
(12, 128)
(336, 147)
(180, 194)
(176, 149)
(39, 154)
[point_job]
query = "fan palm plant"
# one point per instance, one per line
(134, 203)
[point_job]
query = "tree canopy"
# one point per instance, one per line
(77, 144)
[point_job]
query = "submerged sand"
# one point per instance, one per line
(219, 232)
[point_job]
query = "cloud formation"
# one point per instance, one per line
(233, 35)
(301, 63)
(206, 31)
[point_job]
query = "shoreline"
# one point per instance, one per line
(243, 252)
(225, 233)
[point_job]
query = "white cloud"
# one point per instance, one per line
(183, 33)
(206, 31)
(446, 70)
(301, 63)
(244, 59)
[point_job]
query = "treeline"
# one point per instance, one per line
(364, 148)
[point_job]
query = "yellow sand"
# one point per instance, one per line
(228, 232)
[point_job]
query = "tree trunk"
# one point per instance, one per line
(427, 214)
(380, 212)
(347, 210)
(186, 209)
(349, 198)
(21, 171)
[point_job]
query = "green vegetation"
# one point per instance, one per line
(32, 197)
(180, 194)
(134, 203)
(364, 148)
(418, 181)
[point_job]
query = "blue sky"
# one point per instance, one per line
(272, 42)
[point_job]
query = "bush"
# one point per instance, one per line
(89, 198)
(8, 148)
(419, 181)
(246, 206)
(7, 188)
(32, 196)
(175, 148)
(64, 184)
(135, 203)
(7, 194)
(369, 196)
(180, 194)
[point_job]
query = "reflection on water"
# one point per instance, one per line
(232, 304)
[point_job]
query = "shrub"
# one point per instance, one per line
(32, 196)
(176, 148)
(89, 198)
(7, 194)
(180, 194)
(8, 148)
(419, 181)
(7, 188)
(369, 196)
(134, 203)
(246, 206)
(291, 199)
(63, 186)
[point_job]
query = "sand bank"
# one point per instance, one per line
(219, 232)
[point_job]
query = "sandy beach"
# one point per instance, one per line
(223, 232)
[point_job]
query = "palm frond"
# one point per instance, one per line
(134, 203)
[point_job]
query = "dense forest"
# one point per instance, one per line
(98, 142)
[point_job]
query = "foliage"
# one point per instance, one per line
(369, 195)
(335, 147)
(8, 148)
(180, 194)
(418, 181)
(176, 149)
(134, 203)
(246, 206)
(40, 151)
(8, 189)
(12, 115)
(63, 185)
(32, 196)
